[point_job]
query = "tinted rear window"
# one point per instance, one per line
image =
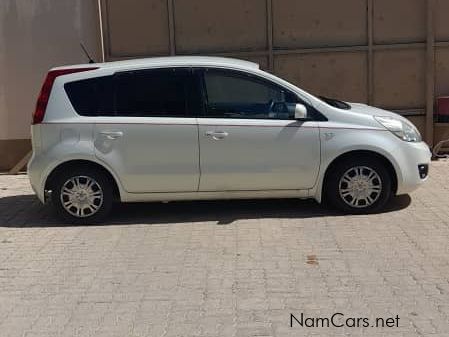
(93, 96)
(152, 93)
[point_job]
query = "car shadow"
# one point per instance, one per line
(26, 211)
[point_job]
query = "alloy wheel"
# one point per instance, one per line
(81, 196)
(360, 187)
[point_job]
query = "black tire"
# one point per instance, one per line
(103, 182)
(334, 198)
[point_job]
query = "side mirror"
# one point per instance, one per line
(300, 111)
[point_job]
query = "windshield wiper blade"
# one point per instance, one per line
(336, 103)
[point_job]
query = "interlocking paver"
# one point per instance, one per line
(225, 268)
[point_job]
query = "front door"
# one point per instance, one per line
(151, 139)
(249, 139)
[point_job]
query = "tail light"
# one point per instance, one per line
(44, 95)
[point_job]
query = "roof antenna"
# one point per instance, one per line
(87, 54)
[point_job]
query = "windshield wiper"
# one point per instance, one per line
(336, 103)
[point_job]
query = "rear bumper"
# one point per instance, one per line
(413, 160)
(34, 175)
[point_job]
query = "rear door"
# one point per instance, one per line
(151, 137)
(249, 139)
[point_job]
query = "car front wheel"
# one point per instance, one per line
(359, 185)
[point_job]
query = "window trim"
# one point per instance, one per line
(196, 96)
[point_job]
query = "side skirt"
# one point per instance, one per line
(275, 194)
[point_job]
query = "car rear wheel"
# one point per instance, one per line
(82, 195)
(359, 186)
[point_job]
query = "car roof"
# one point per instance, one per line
(200, 61)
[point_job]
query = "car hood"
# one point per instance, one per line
(372, 111)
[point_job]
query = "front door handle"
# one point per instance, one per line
(111, 135)
(217, 135)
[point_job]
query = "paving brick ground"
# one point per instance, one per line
(235, 268)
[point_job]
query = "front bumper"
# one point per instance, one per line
(423, 170)
(413, 161)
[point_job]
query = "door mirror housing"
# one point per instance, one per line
(300, 111)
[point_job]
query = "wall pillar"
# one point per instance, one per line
(430, 72)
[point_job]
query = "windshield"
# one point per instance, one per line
(335, 103)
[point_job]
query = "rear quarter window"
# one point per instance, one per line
(93, 96)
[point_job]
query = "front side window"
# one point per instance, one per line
(152, 93)
(237, 95)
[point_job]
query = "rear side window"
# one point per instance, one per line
(93, 96)
(152, 93)
(143, 93)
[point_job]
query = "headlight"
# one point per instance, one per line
(403, 129)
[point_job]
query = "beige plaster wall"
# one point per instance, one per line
(36, 35)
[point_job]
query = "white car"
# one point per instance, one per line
(190, 128)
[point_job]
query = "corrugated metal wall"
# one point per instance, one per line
(381, 52)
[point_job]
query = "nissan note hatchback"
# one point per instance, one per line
(190, 128)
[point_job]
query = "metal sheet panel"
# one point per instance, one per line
(442, 20)
(442, 133)
(442, 72)
(341, 75)
(399, 78)
(216, 26)
(319, 23)
(137, 28)
(399, 21)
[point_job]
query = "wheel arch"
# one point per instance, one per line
(69, 164)
(358, 154)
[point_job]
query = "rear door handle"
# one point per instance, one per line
(217, 135)
(112, 134)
